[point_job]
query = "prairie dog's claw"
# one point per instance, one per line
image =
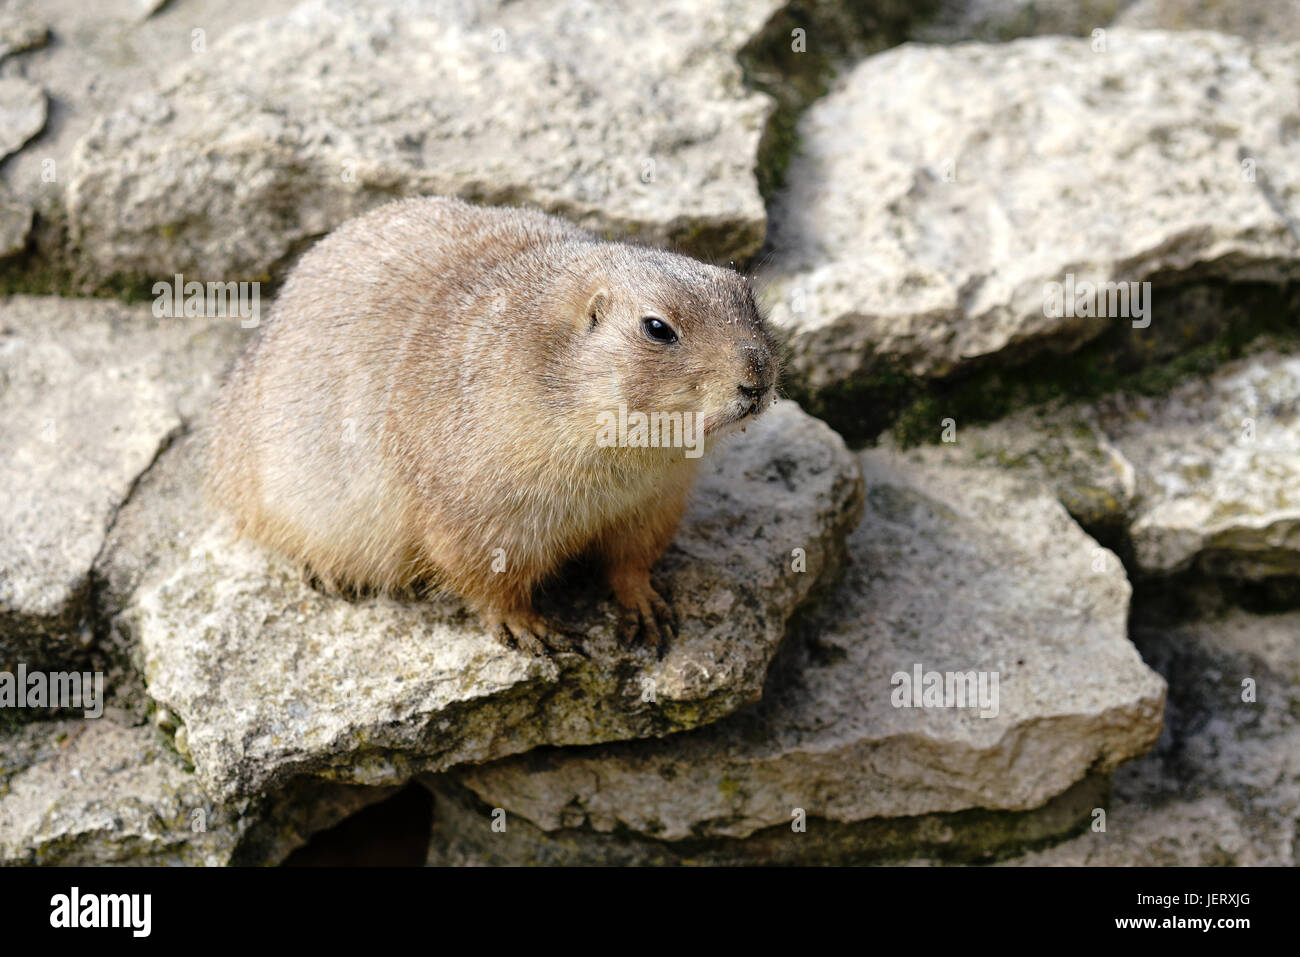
(652, 623)
(533, 635)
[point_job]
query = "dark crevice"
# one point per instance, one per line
(392, 833)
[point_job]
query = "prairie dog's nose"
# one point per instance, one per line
(759, 379)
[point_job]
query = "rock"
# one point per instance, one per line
(1263, 21)
(77, 793)
(949, 571)
(15, 224)
(148, 8)
(19, 32)
(1202, 832)
(1218, 462)
(1222, 786)
(463, 836)
(293, 124)
(1205, 477)
(1060, 445)
(105, 57)
(22, 113)
(273, 679)
(92, 390)
(936, 254)
(994, 20)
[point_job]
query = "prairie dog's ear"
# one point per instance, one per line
(597, 308)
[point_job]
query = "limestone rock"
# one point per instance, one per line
(1263, 21)
(463, 835)
(92, 390)
(1218, 461)
(949, 571)
(940, 190)
(1063, 447)
(1206, 476)
(91, 792)
(1222, 786)
(15, 224)
(22, 113)
(292, 124)
(273, 679)
(20, 32)
(105, 56)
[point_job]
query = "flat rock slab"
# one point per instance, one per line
(92, 390)
(941, 189)
(949, 571)
(90, 792)
(273, 679)
(290, 125)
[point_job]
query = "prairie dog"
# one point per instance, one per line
(431, 397)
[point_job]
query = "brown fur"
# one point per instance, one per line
(426, 392)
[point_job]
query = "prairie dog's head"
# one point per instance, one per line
(663, 333)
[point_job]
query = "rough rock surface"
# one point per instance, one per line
(1206, 476)
(1222, 786)
(92, 390)
(292, 124)
(1064, 447)
(940, 189)
(91, 792)
(20, 32)
(15, 224)
(273, 679)
(104, 58)
(463, 835)
(1218, 462)
(1264, 21)
(949, 570)
(22, 113)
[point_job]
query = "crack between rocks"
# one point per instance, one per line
(97, 620)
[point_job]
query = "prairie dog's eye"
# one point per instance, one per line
(658, 330)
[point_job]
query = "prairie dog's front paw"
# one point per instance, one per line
(647, 619)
